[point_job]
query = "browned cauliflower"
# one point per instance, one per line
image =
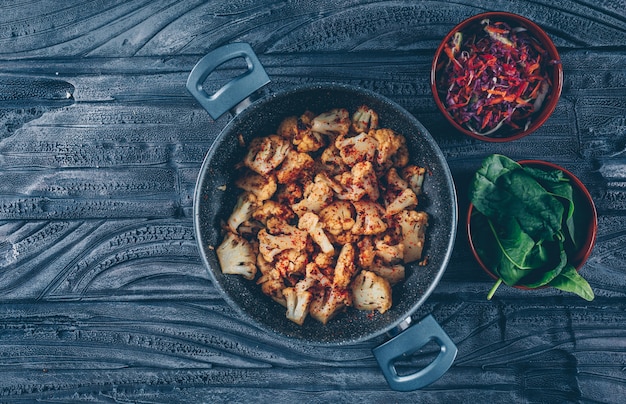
(414, 175)
(246, 205)
(413, 224)
(298, 301)
(262, 187)
(361, 181)
(369, 218)
(354, 149)
(266, 153)
(293, 167)
(317, 195)
(392, 273)
(388, 143)
(273, 209)
(310, 222)
(335, 122)
(338, 217)
(364, 119)
(298, 131)
(371, 292)
(237, 256)
(283, 237)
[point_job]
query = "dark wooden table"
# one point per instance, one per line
(103, 296)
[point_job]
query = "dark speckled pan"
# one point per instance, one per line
(212, 206)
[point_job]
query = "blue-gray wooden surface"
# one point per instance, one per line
(103, 296)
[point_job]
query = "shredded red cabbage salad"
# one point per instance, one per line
(495, 77)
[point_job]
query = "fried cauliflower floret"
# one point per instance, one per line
(310, 222)
(361, 181)
(317, 195)
(266, 153)
(398, 196)
(298, 301)
(338, 217)
(389, 253)
(328, 302)
(371, 292)
(288, 194)
(388, 143)
(331, 160)
(271, 209)
(413, 225)
(345, 267)
(392, 273)
(335, 122)
(355, 149)
(245, 206)
(290, 262)
(237, 256)
(365, 252)
(369, 218)
(298, 131)
(286, 237)
(262, 187)
(403, 201)
(271, 281)
(414, 175)
(293, 167)
(364, 119)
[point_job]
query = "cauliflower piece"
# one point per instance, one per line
(392, 273)
(271, 209)
(390, 254)
(413, 225)
(317, 195)
(298, 131)
(361, 181)
(236, 256)
(335, 122)
(352, 150)
(345, 268)
(401, 158)
(414, 175)
(338, 217)
(290, 262)
(262, 187)
(288, 194)
(289, 237)
(246, 204)
(324, 260)
(298, 302)
(272, 283)
(294, 165)
(389, 143)
(327, 303)
(398, 196)
(311, 223)
(405, 200)
(369, 218)
(364, 119)
(394, 181)
(331, 160)
(371, 292)
(366, 253)
(266, 153)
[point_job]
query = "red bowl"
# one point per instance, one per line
(554, 71)
(585, 202)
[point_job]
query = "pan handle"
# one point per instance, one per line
(406, 343)
(233, 92)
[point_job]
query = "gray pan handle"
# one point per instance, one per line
(233, 92)
(408, 342)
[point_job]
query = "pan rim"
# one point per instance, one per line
(446, 173)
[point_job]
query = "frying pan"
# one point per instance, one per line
(215, 196)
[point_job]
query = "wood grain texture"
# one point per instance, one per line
(103, 296)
